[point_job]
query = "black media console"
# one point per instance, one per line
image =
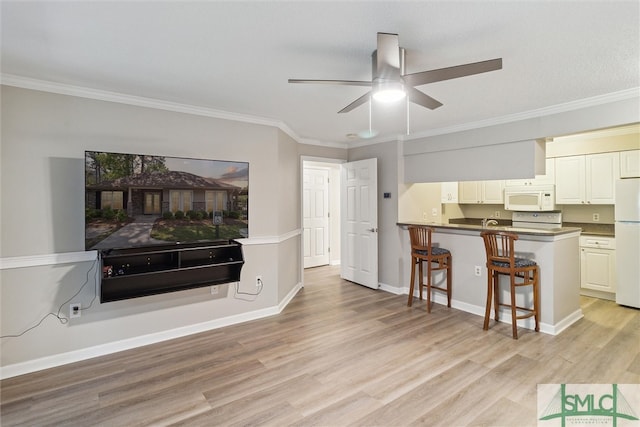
(138, 272)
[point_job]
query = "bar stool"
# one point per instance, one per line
(436, 258)
(501, 259)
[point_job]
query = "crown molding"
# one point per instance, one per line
(103, 95)
(540, 112)
(309, 141)
(140, 101)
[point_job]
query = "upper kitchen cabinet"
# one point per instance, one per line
(630, 164)
(449, 192)
(486, 192)
(546, 179)
(587, 179)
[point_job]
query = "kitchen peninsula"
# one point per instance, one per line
(555, 250)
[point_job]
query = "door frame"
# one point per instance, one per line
(324, 162)
(320, 177)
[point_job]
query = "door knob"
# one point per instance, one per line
(373, 230)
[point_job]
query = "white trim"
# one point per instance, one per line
(564, 323)
(540, 112)
(308, 141)
(393, 289)
(103, 95)
(139, 101)
(73, 257)
(269, 240)
(47, 259)
(287, 299)
(129, 343)
(505, 314)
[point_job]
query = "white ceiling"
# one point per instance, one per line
(237, 56)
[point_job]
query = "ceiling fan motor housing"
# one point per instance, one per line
(389, 76)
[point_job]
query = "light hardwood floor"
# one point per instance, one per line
(339, 354)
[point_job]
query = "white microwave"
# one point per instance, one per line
(530, 198)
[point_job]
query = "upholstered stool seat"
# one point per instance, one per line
(501, 259)
(436, 258)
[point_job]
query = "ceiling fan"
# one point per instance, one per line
(389, 81)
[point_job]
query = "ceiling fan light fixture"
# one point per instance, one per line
(389, 91)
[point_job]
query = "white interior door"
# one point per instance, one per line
(315, 208)
(359, 222)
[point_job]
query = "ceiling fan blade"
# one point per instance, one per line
(333, 82)
(386, 64)
(432, 76)
(358, 102)
(423, 99)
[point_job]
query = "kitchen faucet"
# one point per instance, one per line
(487, 222)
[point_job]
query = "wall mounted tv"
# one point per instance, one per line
(137, 200)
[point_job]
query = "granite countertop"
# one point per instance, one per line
(588, 228)
(592, 229)
(473, 225)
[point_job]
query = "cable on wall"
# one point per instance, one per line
(63, 320)
(252, 294)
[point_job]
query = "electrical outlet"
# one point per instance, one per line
(258, 281)
(214, 290)
(496, 214)
(434, 212)
(75, 310)
(596, 217)
(478, 270)
(424, 216)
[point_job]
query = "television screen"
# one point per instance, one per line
(136, 200)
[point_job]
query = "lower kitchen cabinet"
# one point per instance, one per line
(598, 266)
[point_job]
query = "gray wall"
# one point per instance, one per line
(388, 238)
(43, 140)
(508, 150)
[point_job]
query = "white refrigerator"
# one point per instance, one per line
(627, 226)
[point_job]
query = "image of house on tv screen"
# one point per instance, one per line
(134, 200)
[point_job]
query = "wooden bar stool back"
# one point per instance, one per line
(436, 258)
(501, 259)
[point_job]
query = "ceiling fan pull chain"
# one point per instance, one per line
(407, 115)
(370, 103)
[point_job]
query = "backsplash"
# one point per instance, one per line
(570, 213)
(580, 213)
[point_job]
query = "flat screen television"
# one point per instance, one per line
(138, 200)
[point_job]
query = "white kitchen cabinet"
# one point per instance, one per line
(546, 179)
(449, 192)
(587, 179)
(469, 192)
(598, 263)
(630, 164)
(481, 192)
(570, 180)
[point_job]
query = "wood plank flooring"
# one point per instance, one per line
(339, 355)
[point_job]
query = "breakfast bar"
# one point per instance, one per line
(555, 250)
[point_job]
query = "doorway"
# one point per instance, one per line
(320, 212)
(152, 203)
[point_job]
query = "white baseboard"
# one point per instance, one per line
(127, 344)
(505, 314)
(391, 289)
